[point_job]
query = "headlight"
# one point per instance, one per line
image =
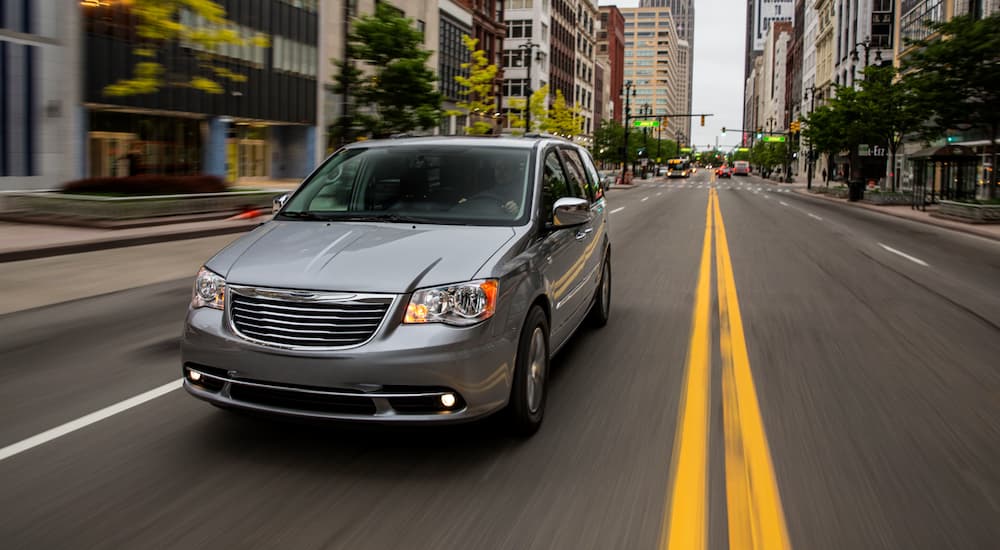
(209, 290)
(461, 304)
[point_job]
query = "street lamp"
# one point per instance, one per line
(628, 114)
(810, 95)
(867, 45)
(529, 47)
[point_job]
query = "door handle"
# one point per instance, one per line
(582, 234)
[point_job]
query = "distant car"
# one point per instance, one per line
(741, 168)
(723, 172)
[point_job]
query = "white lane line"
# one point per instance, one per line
(814, 216)
(644, 199)
(904, 254)
(658, 194)
(783, 203)
(84, 421)
(619, 209)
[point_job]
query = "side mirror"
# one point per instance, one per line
(278, 203)
(570, 211)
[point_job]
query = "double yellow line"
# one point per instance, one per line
(755, 517)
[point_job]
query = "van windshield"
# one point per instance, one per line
(446, 184)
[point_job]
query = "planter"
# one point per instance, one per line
(974, 213)
(888, 198)
(838, 192)
(94, 208)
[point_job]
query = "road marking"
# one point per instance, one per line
(904, 254)
(685, 525)
(84, 421)
(644, 199)
(658, 194)
(783, 203)
(756, 518)
(814, 216)
(619, 209)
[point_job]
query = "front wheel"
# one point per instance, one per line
(531, 369)
(600, 311)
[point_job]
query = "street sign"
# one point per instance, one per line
(685, 149)
(646, 123)
(774, 139)
(743, 149)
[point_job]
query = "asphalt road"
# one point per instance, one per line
(873, 342)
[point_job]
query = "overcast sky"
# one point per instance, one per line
(719, 40)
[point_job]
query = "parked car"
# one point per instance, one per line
(741, 168)
(407, 280)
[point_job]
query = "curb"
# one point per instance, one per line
(122, 242)
(971, 230)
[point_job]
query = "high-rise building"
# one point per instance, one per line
(42, 127)
(563, 47)
(760, 15)
(682, 12)
(583, 64)
(863, 34)
(528, 41)
(611, 45)
(653, 63)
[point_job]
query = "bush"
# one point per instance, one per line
(148, 184)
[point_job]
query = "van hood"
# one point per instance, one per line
(358, 256)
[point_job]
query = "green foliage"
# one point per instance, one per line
(609, 138)
(395, 92)
(478, 89)
(768, 155)
(159, 24)
(956, 71)
(562, 119)
(539, 111)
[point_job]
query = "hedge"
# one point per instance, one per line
(148, 184)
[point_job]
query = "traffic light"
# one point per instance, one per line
(952, 139)
(760, 133)
(702, 120)
(796, 126)
(723, 130)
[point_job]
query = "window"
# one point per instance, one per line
(515, 87)
(520, 28)
(575, 173)
(515, 58)
(518, 4)
(554, 184)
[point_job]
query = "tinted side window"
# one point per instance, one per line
(554, 183)
(593, 177)
(577, 175)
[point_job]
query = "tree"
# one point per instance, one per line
(562, 119)
(394, 92)
(958, 69)
(890, 109)
(478, 89)
(159, 23)
(539, 111)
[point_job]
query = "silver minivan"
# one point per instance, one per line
(408, 280)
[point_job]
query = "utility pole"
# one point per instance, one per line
(811, 161)
(529, 47)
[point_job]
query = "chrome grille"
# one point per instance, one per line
(294, 319)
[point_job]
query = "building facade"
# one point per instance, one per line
(263, 128)
(682, 12)
(455, 23)
(652, 63)
(41, 122)
(528, 42)
(611, 45)
(584, 69)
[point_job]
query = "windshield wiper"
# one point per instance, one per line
(389, 218)
(305, 216)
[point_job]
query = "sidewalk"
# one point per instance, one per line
(906, 212)
(24, 241)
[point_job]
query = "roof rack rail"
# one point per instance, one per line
(544, 135)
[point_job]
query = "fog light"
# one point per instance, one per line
(448, 400)
(194, 375)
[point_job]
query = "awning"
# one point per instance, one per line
(945, 152)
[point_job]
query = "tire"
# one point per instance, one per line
(527, 396)
(600, 310)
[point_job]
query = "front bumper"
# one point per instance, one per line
(398, 376)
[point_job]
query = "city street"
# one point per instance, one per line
(873, 407)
